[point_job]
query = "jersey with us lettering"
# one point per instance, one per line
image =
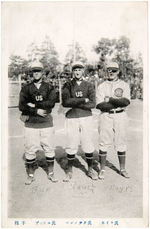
(43, 98)
(74, 95)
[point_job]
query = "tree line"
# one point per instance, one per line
(131, 69)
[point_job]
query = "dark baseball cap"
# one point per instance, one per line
(77, 64)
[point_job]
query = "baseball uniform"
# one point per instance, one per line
(39, 131)
(113, 119)
(79, 123)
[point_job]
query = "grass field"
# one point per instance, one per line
(82, 197)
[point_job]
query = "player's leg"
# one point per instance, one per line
(47, 143)
(105, 140)
(73, 140)
(87, 144)
(31, 146)
(70, 158)
(120, 141)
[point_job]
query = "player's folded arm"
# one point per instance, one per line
(87, 106)
(23, 100)
(67, 101)
(105, 106)
(72, 102)
(49, 103)
(92, 100)
(91, 96)
(121, 102)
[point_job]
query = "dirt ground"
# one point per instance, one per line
(82, 197)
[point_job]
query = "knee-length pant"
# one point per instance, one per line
(79, 130)
(113, 131)
(36, 139)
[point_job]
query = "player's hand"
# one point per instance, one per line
(115, 97)
(31, 104)
(87, 100)
(106, 99)
(41, 112)
(24, 118)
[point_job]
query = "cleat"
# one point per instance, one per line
(29, 180)
(124, 173)
(68, 177)
(101, 175)
(92, 175)
(51, 177)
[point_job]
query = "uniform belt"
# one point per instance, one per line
(115, 111)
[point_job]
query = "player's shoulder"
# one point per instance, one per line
(87, 83)
(103, 84)
(123, 83)
(47, 85)
(69, 83)
(26, 86)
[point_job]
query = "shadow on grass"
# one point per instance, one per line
(61, 159)
(111, 166)
(95, 159)
(96, 164)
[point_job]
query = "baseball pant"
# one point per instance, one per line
(79, 131)
(37, 139)
(113, 131)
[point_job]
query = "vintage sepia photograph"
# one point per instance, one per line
(75, 114)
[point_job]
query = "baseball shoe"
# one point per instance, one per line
(124, 173)
(101, 174)
(92, 175)
(29, 180)
(51, 177)
(68, 177)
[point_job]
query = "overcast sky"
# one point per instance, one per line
(85, 22)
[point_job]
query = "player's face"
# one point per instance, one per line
(78, 73)
(37, 74)
(112, 73)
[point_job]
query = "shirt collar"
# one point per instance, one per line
(114, 82)
(38, 84)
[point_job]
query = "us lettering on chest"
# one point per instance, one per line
(39, 98)
(79, 94)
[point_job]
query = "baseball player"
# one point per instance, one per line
(113, 96)
(79, 95)
(36, 102)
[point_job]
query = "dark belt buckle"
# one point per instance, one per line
(112, 112)
(115, 112)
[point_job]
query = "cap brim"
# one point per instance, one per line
(112, 67)
(77, 66)
(36, 68)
